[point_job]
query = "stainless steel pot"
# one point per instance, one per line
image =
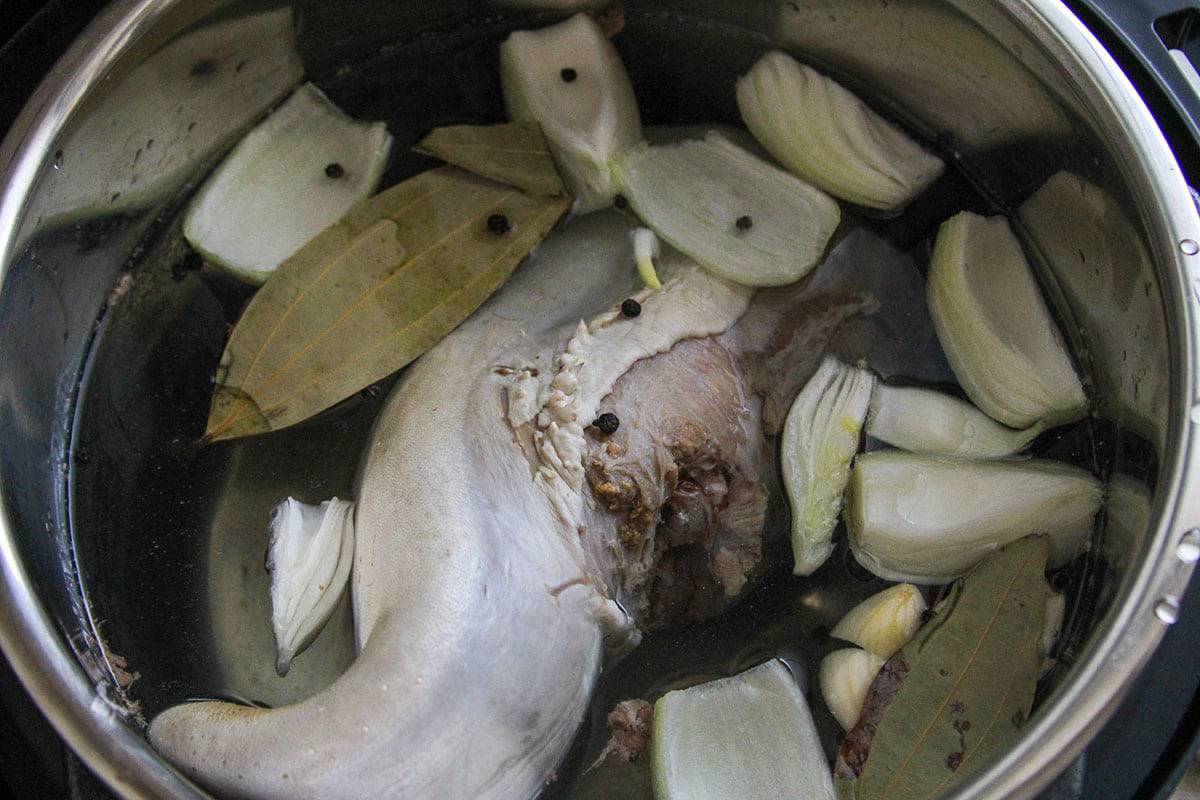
(104, 496)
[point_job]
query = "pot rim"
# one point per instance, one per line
(123, 759)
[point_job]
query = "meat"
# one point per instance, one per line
(505, 548)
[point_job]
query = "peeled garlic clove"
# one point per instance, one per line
(845, 677)
(824, 134)
(925, 421)
(929, 520)
(744, 737)
(311, 550)
(999, 336)
(569, 79)
(742, 218)
(884, 622)
(646, 248)
(287, 180)
(820, 438)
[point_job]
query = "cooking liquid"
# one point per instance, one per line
(170, 536)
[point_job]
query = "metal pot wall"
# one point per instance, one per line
(124, 549)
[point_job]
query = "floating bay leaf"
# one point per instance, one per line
(370, 294)
(514, 153)
(959, 691)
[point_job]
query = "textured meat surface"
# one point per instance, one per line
(684, 478)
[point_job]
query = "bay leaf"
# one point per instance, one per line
(370, 294)
(514, 153)
(960, 690)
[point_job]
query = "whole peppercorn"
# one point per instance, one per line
(620, 202)
(334, 170)
(568, 75)
(607, 423)
(631, 308)
(498, 224)
(744, 223)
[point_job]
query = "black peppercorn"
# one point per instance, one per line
(620, 202)
(568, 74)
(334, 170)
(744, 223)
(607, 423)
(498, 224)
(631, 307)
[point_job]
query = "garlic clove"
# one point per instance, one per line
(884, 622)
(845, 678)
(309, 557)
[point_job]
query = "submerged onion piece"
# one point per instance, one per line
(746, 737)
(824, 134)
(884, 622)
(820, 438)
(925, 421)
(740, 217)
(845, 677)
(311, 550)
(291, 177)
(1004, 346)
(569, 79)
(646, 249)
(928, 520)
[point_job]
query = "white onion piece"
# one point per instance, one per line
(747, 737)
(884, 622)
(845, 678)
(587, 120)
(998, 334)
(311, 550)
(147, 130)
(820, 438)
(272, 193)
(694, 193)
(925, 421)
(928, 520)
(826, 135)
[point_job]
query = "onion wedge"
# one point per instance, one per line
(569, 79)
(925, 421)
(311, 550)
(998, 334)
(291, 177)
(929, 520)
(820, 438)
(740, 217)
(747, 737)
(824, 134)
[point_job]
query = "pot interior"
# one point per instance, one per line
(148, 549)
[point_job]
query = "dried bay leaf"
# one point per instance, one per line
(957, 694)
(370, 294)
(514, 153)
